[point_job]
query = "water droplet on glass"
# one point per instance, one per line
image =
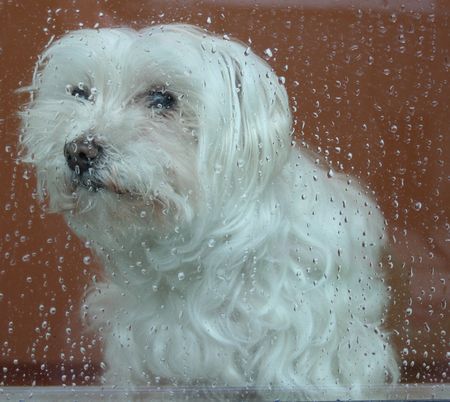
(393, 17)
(268, 53)
(393, 128)
(181, 276)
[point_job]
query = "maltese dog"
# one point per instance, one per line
(231, 257)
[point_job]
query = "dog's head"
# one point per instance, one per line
(159, 125)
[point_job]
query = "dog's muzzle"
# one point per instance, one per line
(82, 157)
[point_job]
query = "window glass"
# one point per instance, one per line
(367, 87)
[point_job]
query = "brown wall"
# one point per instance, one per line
(371, 88)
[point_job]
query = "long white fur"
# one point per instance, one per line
(231, 257)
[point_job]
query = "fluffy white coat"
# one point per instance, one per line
(231, 258)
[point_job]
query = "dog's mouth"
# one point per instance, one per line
(86, 159)
(92, 183)
(86, 181)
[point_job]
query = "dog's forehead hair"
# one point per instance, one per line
(156, 56)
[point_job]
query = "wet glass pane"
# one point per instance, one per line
(253, 208)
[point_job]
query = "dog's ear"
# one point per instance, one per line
(253, 121)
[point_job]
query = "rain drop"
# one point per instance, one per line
(393, 128)
(268, 52)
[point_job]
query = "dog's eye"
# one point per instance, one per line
(79, 91)
(82, 93)
(160, 100)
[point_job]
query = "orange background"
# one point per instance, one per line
(370, 84)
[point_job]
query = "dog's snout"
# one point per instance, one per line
(81, 154)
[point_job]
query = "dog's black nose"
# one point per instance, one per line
(81, 154)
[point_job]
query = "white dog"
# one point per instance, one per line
(231, 257)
